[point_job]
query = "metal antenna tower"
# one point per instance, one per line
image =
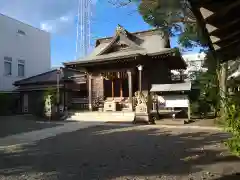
(84, 15)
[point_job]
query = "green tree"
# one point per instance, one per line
(173, 16)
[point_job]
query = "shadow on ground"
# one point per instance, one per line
(11, 125)
(112, 152)
(230, 177)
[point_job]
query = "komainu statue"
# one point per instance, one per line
(142, 102)
(141, 97)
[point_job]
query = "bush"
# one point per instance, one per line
(200, 108)
(7, 104)
(232, 124)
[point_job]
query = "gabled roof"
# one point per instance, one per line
(138, 45)
(48, 77)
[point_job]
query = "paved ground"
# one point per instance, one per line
(10, 125)
(118, 152)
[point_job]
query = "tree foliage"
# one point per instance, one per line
(173, 16)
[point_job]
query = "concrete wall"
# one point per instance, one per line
(33, 48)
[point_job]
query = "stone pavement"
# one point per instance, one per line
(64, 127)
(122, 152)
(29, 137)
(10, 125)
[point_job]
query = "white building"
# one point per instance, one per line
(194, 63)
(24, 52)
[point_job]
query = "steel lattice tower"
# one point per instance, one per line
(83, 41)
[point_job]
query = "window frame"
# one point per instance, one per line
(21, 63)
(21, 32)
(7, 60)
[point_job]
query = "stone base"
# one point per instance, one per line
(141, 118)
(110, 106)
(141, 114)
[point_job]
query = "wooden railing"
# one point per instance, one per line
(79, 104)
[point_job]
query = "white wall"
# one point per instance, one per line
(33, 48)
(194, 61)
(173, 101)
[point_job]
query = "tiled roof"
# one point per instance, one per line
(155, 43)
(48, 77)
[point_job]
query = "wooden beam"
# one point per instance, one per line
(215, 30)
(210, 28)
(225, 10)
(206, 13)
(209, 15)
(230, 46)
(214, 39)
(227, 37)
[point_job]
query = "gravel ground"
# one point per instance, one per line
(10, 125)
(116, 152)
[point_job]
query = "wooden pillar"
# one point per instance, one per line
(112, 88)
(130, 84)
(90, 92)
(130, 89)
(64, 96)
(189, 110)
(121, 88)
(140, 68)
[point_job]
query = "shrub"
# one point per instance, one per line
(7, 103)
(232, 124)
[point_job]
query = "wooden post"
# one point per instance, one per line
(130, 84)
(130, 89)
(90, 92)
(64, 96)
(189, 110)
(121, 88)
(112, 89)
(140, 68)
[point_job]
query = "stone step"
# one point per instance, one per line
(103, 117)
(102, 113)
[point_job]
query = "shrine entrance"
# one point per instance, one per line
(116, 85)
(118, 89)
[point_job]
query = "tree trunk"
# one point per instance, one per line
(223, 87)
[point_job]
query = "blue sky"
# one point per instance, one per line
(59, 18)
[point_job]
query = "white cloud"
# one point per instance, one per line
(64, 19)
(58, 25)
(47, 27)
(51, 15)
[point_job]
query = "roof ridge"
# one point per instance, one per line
(132, 33)
(120, 32)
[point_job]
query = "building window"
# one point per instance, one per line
(21, 32)
(7, 66)
(21, 68)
